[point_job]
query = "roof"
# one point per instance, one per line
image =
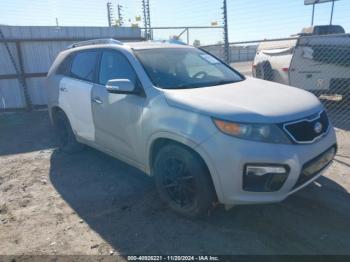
(280, 44)
(138, 45)
(153, 44)
(70, 33)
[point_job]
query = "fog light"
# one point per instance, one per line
(264, 178)
(263, 170)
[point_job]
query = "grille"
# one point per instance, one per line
(308, 130)
(315, 166)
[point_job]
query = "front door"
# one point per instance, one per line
(117, 116)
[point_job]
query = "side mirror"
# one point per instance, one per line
(120, 86)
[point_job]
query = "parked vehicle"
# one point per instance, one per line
(317, 60)
(204, 132)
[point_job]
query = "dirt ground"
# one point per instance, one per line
(90, 203)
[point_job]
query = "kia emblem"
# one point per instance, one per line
(318, 128)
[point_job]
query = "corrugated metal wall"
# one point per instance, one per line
(238, 53)
(11, 95)
(39, 46)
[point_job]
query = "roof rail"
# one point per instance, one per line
(96, 42)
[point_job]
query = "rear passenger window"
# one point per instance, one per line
(115, 66)
(84, 64)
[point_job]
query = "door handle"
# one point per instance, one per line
(97, 100)
(63, 89)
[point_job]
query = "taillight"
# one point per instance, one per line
(285, 69)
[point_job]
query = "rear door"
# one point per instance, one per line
(75, 93)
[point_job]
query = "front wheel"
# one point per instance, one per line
(183, 181)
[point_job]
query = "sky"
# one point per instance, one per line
(247, 19)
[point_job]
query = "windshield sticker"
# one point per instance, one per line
(210, 59)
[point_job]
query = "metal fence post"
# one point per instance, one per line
(226, 43)
(22, 76)
(188, 35)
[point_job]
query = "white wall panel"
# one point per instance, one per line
(11, 95)
(39, 55)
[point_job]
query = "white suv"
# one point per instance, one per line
(205, 133)
(314, 62)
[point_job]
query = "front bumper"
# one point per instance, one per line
(227, 157)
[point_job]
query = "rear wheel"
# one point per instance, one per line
(183, 181)
(264, 71)
(66, 137)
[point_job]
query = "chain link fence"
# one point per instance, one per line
(191, 35)
(237, 52)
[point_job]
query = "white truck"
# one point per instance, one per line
(317, 60)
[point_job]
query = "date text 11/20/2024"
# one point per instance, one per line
(173, 258)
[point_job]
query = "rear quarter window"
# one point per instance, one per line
(64, 67)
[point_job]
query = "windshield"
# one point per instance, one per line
(180, 68)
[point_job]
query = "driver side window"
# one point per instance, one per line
(114, 65)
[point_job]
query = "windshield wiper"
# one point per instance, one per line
(223, 82)
(186, 86)
(199, 85)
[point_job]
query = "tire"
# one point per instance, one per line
(264, 71)
(66, 137)
(183, 181)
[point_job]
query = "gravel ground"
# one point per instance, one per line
(90, 203)
(243, 67)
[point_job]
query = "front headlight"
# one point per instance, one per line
(268, 133)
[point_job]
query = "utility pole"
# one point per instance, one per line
(147, 19)
(313, 14)
(226, 43)
(110, 14)
(120, 16)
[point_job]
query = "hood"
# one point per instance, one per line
(251, 101)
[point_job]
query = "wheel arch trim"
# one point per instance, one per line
(187, 142)
(58, 108)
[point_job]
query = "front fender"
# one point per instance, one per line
(189, 143)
